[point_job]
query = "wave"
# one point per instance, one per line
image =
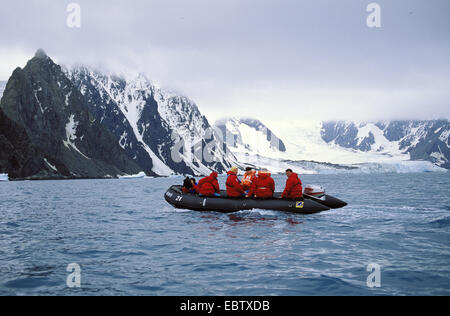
(440, 223)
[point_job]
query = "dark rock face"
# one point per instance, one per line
(342, 133)
(18, 157)
(41, 101)
(144, 119)
(422, 140)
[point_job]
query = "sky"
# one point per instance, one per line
(272, 60)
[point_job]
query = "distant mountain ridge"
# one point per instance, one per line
(422, 140)
(384, 144)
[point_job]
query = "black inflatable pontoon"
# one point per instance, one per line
(225, 204)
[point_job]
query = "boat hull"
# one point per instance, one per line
(328, 201)
(223, 204)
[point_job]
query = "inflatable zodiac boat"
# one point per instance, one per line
(312, 203)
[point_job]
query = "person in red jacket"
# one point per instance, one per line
(190, 186)
(293, 189)
(234, 186)
(209, 186)
(263, 185)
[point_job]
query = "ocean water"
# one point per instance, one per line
(129, 241)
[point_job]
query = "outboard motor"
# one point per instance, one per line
(314, 191)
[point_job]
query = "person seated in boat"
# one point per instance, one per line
(263, 185)
(248, 178)
(209, 186)
(190, 186)
(293, 189)
(234, 186)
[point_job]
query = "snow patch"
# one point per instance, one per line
(439, 157)
(37, 100)
(71, 130)
(67, 98)
(444, 137)
(50, 165)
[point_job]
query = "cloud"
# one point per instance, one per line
(264, 58)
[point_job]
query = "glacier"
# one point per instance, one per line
(277, 166)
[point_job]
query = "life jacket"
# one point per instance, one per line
(248, 179)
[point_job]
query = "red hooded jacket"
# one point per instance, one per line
(234, 187)
(263, 186)
(294, 189)
(209, 185)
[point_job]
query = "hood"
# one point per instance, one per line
(214, 175)
(264, 175)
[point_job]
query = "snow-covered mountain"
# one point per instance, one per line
(420, 140)
(326, 147)
(244, 135)
(162, 131)
(81, 122)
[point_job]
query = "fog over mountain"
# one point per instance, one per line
(265, 59)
